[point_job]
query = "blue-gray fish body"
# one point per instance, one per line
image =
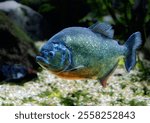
(87, 53)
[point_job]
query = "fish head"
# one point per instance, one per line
(54, 57)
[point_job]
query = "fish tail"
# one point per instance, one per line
(133, 42)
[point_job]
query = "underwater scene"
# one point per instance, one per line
(74, 53)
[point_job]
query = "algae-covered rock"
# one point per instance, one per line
(25, 17)
(15, 46)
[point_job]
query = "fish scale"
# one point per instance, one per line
(90, 53)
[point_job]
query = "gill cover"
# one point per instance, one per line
(55, 56)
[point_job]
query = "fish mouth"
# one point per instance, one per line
(41, 60)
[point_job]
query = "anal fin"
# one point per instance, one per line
(104, 82)
(104, 79)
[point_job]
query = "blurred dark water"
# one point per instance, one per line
(62, 14)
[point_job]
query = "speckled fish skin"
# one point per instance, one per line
(95, 52)
(87, 53)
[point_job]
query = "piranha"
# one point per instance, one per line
(87, 53)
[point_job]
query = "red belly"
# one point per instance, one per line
(74, 75)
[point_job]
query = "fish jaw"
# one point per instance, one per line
(42, 61)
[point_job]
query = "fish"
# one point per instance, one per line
(87, 53)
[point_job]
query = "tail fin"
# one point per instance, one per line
(133, 42)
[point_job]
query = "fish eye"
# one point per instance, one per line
(51, 53)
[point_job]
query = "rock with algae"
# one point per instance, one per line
(15, 46)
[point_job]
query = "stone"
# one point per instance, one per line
(28, 19)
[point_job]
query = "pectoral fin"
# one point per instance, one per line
(72, 69)
(75, 68)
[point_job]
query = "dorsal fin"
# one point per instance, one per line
(103, 28)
